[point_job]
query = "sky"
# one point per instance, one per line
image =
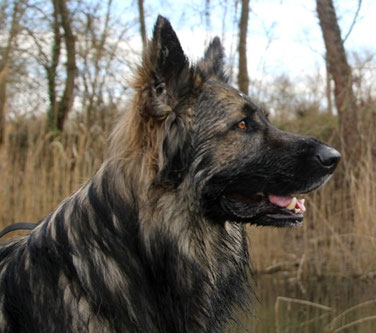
(283, 35)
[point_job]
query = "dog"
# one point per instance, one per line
(155, 240)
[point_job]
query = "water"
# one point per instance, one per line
(327, 305)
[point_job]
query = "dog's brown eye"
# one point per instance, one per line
(241, 125)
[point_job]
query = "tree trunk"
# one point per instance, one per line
(342, 77)
(51, 70)
(328, 88)
(142, 22)
(59, 110)
(66, 102)
(3, 102)
(243, 80)
(95, 96)
(5, 60)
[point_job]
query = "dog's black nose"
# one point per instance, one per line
(328, 157)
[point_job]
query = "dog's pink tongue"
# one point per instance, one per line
(284, 201)
(279, 200)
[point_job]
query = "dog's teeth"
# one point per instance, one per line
(292, 204)
(297, 210)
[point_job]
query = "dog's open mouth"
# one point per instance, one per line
(264, 209)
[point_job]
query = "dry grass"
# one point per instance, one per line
(333, 324)
(289, 301)
(37, 171)
(296, 315)
(338, 236)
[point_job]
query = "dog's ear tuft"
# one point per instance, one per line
(212, 64)
(165, 74)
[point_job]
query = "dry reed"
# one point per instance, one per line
(38, 171)
(290, 301)
(342, 315)
(338, 236)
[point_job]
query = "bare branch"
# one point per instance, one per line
(354, 21)
(243, 80)
(142, 22)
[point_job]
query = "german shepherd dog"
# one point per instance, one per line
(155, 240)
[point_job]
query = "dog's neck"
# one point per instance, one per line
(158, 249)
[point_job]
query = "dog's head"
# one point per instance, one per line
(195, 129)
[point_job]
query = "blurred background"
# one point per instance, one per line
(65, 72)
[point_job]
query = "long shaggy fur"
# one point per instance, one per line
(155, 240)
(130, 250)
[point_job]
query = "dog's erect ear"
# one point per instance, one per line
(165, 86)
(165, 71)
(212, 64)
(169, 56)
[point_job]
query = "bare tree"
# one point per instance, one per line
(142, 22)
(66, 102)
(51, 70)
(243, 80)
(328, 89)
(59, 110)
(342, 76)
(6, 57)
(100, 42)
